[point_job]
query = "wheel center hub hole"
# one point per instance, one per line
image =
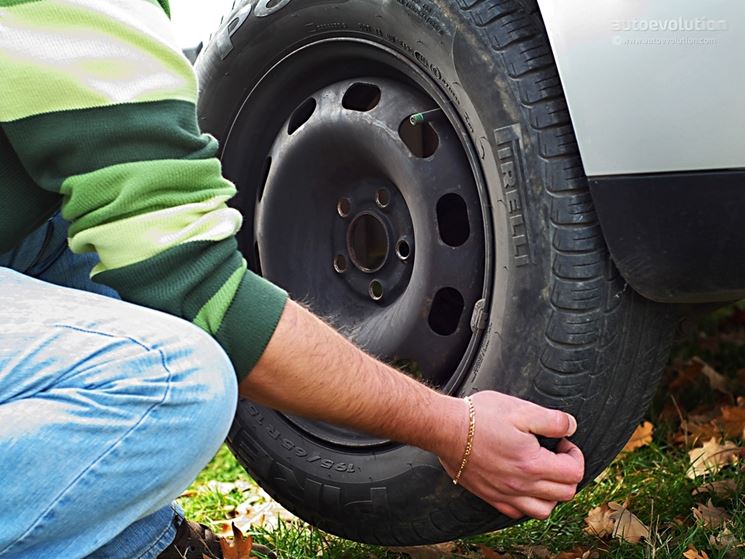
(367, 242)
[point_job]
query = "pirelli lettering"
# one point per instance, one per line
(509, 160)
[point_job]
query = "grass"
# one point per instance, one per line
(654, 483)
(651, 481)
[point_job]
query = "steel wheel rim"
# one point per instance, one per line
(415, 246)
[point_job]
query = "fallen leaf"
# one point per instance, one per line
(240, 546)
(723, 540)
(711, 458)
(733, 420)
(685, 375)
(721, 488)
(709, 515)
(692, 431)
(617, 521)
(599, 522)
(259, 509)
(694, 553)
(642, 437)
(627, 525)
(717, 380)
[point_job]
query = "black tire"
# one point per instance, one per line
(563, 330)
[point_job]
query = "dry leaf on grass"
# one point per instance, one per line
(642, 437)
(628, 526)
(709, 515)
(616, 520)
(721, 488)
(733, 420)
(711, 457)
(730, 420)
(692, 431)
(723, 540)
(599, 522)
(717, 380)
(686, 374)
(258, 510)
(694, 553)
(240, 546)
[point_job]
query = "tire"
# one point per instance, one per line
(559, 326)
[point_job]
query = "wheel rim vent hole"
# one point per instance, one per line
(301, 115)
(452, 220)
(368, 242)
(362, 97)
(447, 309)
(421, 139)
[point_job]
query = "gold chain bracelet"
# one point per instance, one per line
(469, 439)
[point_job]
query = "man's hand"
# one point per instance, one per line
(507, 467)
(308, 369)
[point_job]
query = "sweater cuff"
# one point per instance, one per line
(250, 322)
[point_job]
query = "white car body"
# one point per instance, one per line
(652, 86)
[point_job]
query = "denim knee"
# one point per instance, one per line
(207, 393)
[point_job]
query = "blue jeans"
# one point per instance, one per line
(108, 411)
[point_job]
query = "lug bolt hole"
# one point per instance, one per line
(383, 198)
(376, 290)
(344, 207)
(340, 264)
(403, 250)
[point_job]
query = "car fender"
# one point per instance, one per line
(652, 87)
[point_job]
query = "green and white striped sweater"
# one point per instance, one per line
(98, 114)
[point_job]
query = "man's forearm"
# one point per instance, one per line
(310, 370)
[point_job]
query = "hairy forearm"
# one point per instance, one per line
(310, 370)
